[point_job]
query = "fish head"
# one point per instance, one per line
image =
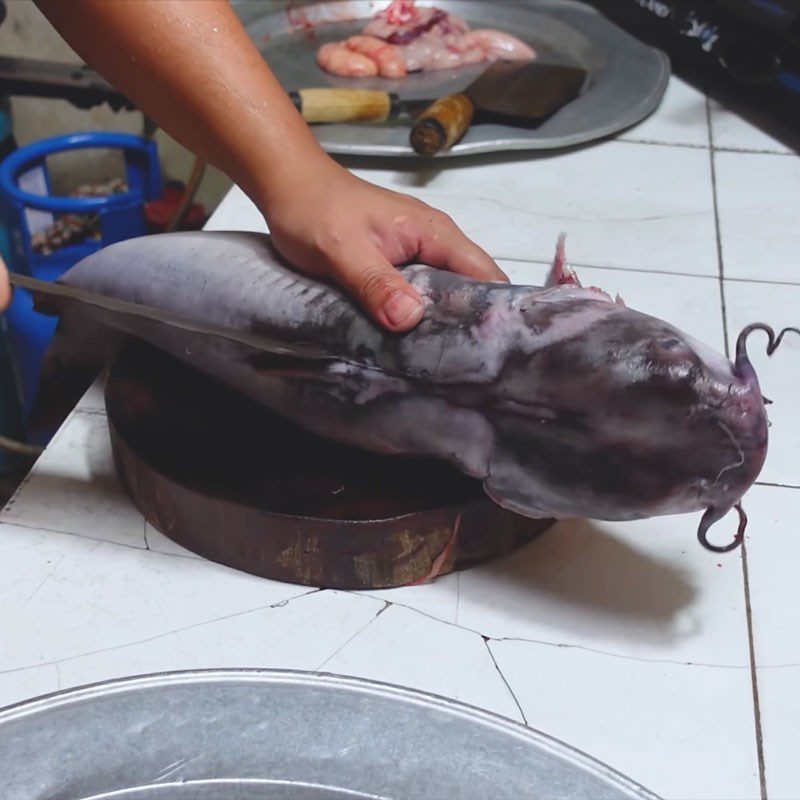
(614, 414)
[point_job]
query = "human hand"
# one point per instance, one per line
(332, 224)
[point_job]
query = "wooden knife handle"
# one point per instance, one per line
(442, 124)
(345, 105)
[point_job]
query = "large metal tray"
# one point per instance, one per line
(627, 79)
(269, 735)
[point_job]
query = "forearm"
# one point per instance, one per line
(191, 67)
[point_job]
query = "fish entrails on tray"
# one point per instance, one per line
(407, 38)
(560, 399)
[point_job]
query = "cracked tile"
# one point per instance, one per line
(408, 649)
(74, 488)
(437, 598)
(683, 732)
(64, 596)
(265, 639)
(159, 543)
(21, 686)
(641, 589)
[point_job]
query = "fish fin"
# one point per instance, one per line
(619, 301)
(561, 273)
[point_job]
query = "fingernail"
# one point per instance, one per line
(402, 309)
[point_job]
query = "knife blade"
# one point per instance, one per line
(125, 308)
(515, 93)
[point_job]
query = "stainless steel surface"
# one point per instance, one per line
(113, 307)
(626, 80)
(270, 735)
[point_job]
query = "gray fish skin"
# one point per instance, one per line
(563, 402)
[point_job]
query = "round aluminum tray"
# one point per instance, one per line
(627, 79)
(269, 735)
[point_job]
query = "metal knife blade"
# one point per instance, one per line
(61, 292)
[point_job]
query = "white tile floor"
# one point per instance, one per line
(626, 640)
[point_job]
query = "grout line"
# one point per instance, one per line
(762, 775)
(752, 151)
(762, 770)
(758, 280)
(642, 271)
(717, 232)
(729, 149)
(778, 485)
(656, 143)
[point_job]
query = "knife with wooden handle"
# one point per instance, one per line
(511, 93)
(61, 295)
(349, 105)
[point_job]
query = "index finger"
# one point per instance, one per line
(445, 245)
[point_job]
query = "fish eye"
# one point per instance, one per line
(669, 344)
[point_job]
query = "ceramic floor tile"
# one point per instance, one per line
(680, 119)
(773, 552)
(691, 304)
(779, 374)
(408, 649)
(438, 598)
(641, 589)
(779, 700)
(265, 639)
(159, 543)
(63, 596)
(623, 205)
(17, 687)
(74, 488)
(683, 732)
(732, 132)
(757, 197)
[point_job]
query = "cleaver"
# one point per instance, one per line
(51, 298)
(521, 93)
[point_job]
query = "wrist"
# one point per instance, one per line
(272, 187)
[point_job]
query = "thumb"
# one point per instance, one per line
(380, 288)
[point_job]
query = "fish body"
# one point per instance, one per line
(563, 402)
